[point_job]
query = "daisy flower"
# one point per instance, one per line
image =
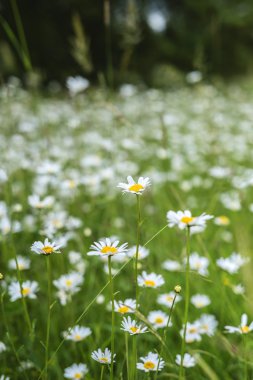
(76, 371)
(29, 288)
(150, 280)
(107, 247)
(2, 347)
(207, 324)
(102, 357)
(200, 300)
(198, 263)
(23, 263)
(232, 263)
(150, 363)
(135, 187)
(188, 360)
(131, 326)
(166, 299)
(45, 248)
(171, 265)
(36, 202)
(123, 307)
(193, 333)
(158, 319)
(222, 220)
(142, 252)
(184, 219)
(244, 328)
(77, 333)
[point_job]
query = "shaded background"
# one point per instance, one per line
(151, 41)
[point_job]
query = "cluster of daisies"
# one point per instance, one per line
(69, 284)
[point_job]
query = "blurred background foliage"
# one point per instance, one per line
(150, 41)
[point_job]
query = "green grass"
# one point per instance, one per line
(97, 140)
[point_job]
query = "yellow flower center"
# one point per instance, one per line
(123, 309)
(21, 266)
(187, 219)
(78, 375)
(72, 184)
(134, 329)
(192, 330)
(47, 249)
(159, 320)
(169, 298)
(104, 360)
(149, 283)
(149, 365)
(108, 249)
(245, 329)
(69, 282)
(78, 337)
(26, 291)
(136, 187)
(223, 219)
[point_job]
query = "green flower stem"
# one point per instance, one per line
(137, 247)
(165, 334)
(113, 314)
(245, 357)
(102, 371)
(187, 297)
(127, 355)
(27, 317)
(48, 315)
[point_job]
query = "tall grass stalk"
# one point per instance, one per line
(113, 314)
(165, 334)
(102, 372)
(187, 298)
(48, 314)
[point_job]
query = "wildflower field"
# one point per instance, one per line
(126, 234)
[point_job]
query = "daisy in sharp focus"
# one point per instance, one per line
(29, 289)
(188, 360)
(135, 187)
(150, 363)
(77, 333)
(131, 326)
(46, 248)
(76, 371)
(102, 357)
(150, 280)
(183, 219)
(244, 328)
(124, 307)
(107, 247)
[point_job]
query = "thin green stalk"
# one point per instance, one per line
(137, 247)
(48, 314)
(21, 32)
(187, 297)
(127, 355)
(156, 234)
(27, 317)
(134, 358)
(164, 334)
(113, 315)
(102, 371)
(245, 357)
